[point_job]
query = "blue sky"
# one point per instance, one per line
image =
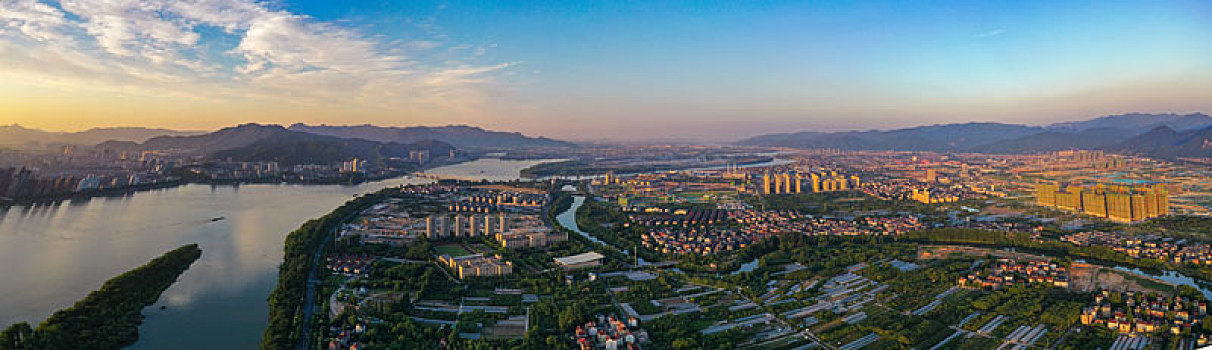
(623, 69)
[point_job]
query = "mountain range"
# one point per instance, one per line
(1156, 135)
(255, 142)
(16, 135)
(461, 136)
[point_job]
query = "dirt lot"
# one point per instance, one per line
(946, 251)
(1088, 278)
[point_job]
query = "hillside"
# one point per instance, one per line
(18, 135)
(1050, 141)
(1138, 121)
(945, 137)
(1109, 132)
(1165, 142)
(461, 136)
(254, 142)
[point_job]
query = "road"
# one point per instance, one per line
(309, 300)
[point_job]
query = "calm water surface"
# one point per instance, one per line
(491, 169)
(52, 255)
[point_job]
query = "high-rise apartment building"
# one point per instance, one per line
(1119, 203)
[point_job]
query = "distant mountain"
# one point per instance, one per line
(1138, 121)
(461, 136)
(945, 137)
(1165, 142)
(1050, 141)
(1108, 132)
(18, 135)
(255, 142)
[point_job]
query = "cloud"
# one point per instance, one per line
(161, 47)
(989, 34)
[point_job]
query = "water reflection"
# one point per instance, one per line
(491, 169)
(53, 254)
(568, 219)
(1172, 277)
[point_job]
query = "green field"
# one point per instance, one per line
(452, 250)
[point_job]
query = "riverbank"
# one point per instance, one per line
(66, 249)
(108, 318)
(349, 179)
(290, 304)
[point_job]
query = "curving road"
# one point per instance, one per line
(309, 300)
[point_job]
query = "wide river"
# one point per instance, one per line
(52, 255)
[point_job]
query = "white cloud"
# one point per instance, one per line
(157, 46)
(991, 33)
(33, 19)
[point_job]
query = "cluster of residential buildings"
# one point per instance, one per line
(270, 171)
(1120, 203)
(1008, 272)
(28, 183)
(749, 226)
(514, 219)
(696, 240)
(1136, 313)
(610, 333)
(441, 226)
(932, 197)
(1169, 250)
(763, 223)
(385, 223)
(347, 339)
(477, 265)
(350, 265)
(640, 191)
(791, 182)
(923, 192)
(655, 216)
(866, 226)
(511, 215)
(73, 170)
(528, 231)
(489, 199)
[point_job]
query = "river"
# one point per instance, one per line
(52, 255)
(491, 169)
(568, 219)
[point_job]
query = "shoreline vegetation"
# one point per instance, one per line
(286, 309)
(108, 318)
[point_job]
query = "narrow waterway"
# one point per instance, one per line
(1171, 277)
(568, 219)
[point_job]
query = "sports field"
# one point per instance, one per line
(452, 250)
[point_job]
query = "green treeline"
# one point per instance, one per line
(108, 318)
(286, 301)
(1103, 254)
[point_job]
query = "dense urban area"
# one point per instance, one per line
(697, 247)
(824, 249)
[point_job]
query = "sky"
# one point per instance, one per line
(598, 70)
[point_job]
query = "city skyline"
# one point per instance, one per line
(624, 71)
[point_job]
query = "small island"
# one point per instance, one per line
(108, 318)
